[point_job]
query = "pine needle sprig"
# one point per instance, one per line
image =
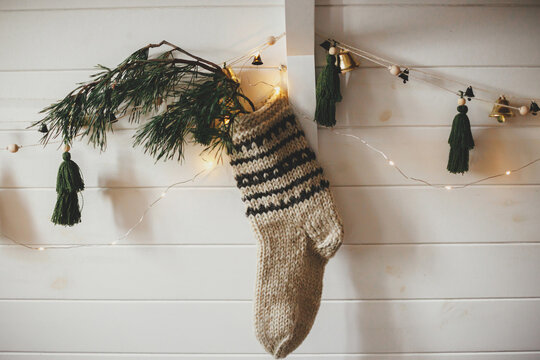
(203, 103)
(204, 108)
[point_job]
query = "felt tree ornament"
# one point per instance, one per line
(460, 140)
(328, 91)
(469, 93)
(69, 183)
(404, 75)
(534, 108)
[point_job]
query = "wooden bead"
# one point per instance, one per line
(67, 148)
(271, 40)
(332, 51)
(394, 70)
(13, 148)
(523, 110)
(461, 101)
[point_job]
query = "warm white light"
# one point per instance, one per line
(41, 248)
(277, 89)
(508, 172)
(163, 194)
(448, 187)
(209, 164)
(391, 163)
(114, 242)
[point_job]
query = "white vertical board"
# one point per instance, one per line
(299, 22)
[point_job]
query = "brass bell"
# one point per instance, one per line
(500, 111)
(257, 60)
(228, 71)
(347, 62)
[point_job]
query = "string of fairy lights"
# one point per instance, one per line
(210, 165)
(405, 75)
(405, 175)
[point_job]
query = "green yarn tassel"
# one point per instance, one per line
(328, 93)
(461, 141)
(69, 183)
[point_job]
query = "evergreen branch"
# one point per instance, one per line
(204, 104)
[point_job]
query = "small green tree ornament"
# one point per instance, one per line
(460, 140)
(69, 183)
(328, 91)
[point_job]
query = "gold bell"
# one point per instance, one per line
(500, 111)
(347, 62)
(257, 60)
(228, 71)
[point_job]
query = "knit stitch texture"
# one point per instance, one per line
(293, 215)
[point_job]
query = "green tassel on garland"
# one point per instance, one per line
(328, 93)
(461, 141)
(69, 183)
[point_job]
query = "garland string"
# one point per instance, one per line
(385, 63)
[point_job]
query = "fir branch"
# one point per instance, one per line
(204, 104)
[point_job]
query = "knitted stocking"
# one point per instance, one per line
(294, 218)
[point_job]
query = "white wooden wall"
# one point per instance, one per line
(424, 274)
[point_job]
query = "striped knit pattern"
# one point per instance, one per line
(294, 218)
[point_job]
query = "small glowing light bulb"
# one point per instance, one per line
(209, 165)
(163, 195)
(277, 89)
(226, 120)
(391, 163)
(508, 172)
(114, 242)
(448, 187)
(41, 248)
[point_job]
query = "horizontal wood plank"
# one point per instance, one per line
(371, 215)
(119, 165)
(420, 35)
(122, 31)
(420, 152)
(227, 272)
(507, 355)
(207, 327)
(51, 86)
(371, 96)
(37, 5)
(423, 153)
(460, 3)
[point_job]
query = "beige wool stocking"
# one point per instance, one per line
(294, 218)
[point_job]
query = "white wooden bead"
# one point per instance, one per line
(67, 148)
(13, 148)
(524, 110)
(271, 40)
(394, 70)
(461, 101)
(332, 51)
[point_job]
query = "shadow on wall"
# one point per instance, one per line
(373, 277)
(128, 203)
(15, 218)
